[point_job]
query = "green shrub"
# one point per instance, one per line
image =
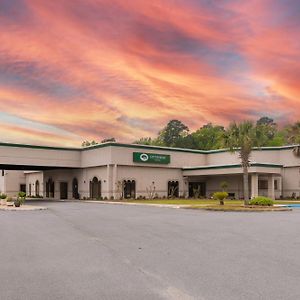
(262, 201)
(9, 199)
(220, 196)
(3, 196)
(22, 195)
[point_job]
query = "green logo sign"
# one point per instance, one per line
(151, 158)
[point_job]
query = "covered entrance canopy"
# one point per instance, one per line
(265, 179)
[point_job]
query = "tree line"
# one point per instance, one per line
(211, 136)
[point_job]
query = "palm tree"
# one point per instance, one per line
(242, 138)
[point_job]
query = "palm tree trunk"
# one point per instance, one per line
(246, 185)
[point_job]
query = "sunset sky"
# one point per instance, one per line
(72, 70)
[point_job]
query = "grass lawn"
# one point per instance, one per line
(185, 201)
(201, 202)
(214, 205)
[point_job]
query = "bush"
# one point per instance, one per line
(262, 201)
(3, 196)
(220, 196)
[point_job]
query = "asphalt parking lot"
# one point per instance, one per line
(100, 251)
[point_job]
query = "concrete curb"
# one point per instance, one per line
(22, 208)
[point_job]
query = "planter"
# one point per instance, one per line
(17, 203)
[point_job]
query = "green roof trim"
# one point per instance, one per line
(231, 166)
(38, 147)
(137, 146)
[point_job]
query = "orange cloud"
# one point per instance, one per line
(108, 68)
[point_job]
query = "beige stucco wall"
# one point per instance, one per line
(123, 156)
(10, 155)
(12, 181)
(291, 181)
(95, 157)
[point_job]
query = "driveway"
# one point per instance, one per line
(100, 251)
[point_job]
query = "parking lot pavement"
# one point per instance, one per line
(89, 251)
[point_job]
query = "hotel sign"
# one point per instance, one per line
(151, 158)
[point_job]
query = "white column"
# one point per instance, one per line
(281, 186)
(115, 182)
(109, 187)
(254, 185)
(271, 187)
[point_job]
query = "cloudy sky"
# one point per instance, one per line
(90, 69)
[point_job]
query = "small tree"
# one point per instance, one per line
(151, 191)
(20, 199)
(120, 189)
(221, 196)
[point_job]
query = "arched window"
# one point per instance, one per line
(29, 189)
(37, 188)
(75, 188)
(129, 189)
(95, 188)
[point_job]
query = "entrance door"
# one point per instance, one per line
(95, 188)
(197, 189)
(63, 190)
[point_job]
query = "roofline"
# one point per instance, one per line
(138, 146)
(231, 166)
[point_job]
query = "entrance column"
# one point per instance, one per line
(115, 185)
(109, 187)
(271, 187)
(254, 185)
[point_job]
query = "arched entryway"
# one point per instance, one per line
(95, 188)
(50, 188)
(37, 188)
(75, 192)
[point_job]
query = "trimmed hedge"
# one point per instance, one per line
(262, 201)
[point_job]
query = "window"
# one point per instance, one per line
(2, 172)
(129, 189)
(23, 188)
(37, 188)
(173, 189)
(276, 184)
(262, 184)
